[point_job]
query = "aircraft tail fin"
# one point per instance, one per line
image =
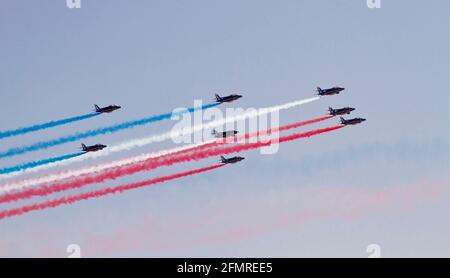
(97, 108)
(222, 159)
(330, 109)
(319, 90)
(218, 98)
(342, 120)
(83, 147)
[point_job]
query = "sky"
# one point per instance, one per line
(383, 182)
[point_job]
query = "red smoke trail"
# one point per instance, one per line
(284, 128)
(167, 160)
(205, 145)
(101, 192)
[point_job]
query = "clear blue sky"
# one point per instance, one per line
(152, 56)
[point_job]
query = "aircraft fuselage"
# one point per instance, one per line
(341, 111)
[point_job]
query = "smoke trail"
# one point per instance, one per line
(152, 163)
(95, 132)
(101, 192)
(174, 134)
(29, 165)
(24, 130)
(73, 173)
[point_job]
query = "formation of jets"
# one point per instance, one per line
(224, 134)
(99, 147)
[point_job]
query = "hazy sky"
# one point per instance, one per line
(385, 181)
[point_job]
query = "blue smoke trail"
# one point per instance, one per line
(33, 164)
(95, 132)
(24, 130)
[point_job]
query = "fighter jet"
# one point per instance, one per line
(224, 134)
(231, 160)
(107, 109)
(92, 148)
(353, 121)
(340, 111)
(229, 98)
(330, 91)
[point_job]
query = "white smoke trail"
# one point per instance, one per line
(168, 135)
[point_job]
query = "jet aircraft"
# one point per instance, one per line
(231, 160)
(93, 148)
(340, 111)
(224, 134)
(330, 91)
